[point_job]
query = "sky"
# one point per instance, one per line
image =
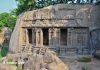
(7, 5)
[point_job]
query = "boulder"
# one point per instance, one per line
(48, 57)
(47, 61)
(40, 61)
(53, 66)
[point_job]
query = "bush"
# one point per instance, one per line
(10, 60)
(84, 59)
(4, 50)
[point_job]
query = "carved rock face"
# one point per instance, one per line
(46, 61)
(55, 16)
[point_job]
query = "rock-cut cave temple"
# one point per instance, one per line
(64, 26)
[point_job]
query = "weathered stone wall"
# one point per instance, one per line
(61, 15)
(65, 15)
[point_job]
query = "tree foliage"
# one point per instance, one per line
(8, 20)
(25, 5)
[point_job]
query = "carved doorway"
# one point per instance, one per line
(45, 36)
(29, 35)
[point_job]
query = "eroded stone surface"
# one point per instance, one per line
(55, 18)
(48, 61)
(79, 20)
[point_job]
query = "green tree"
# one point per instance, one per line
(7, 19)
(25, 5)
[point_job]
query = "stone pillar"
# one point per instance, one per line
(39, 37)
(33, 37)
(24, 37)
(70, 36)
(51, 33)
(54, 37)
(27, 40)
(58, 37)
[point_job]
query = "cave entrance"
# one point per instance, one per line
(45, 36)
(29, 35)
(63, 36)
